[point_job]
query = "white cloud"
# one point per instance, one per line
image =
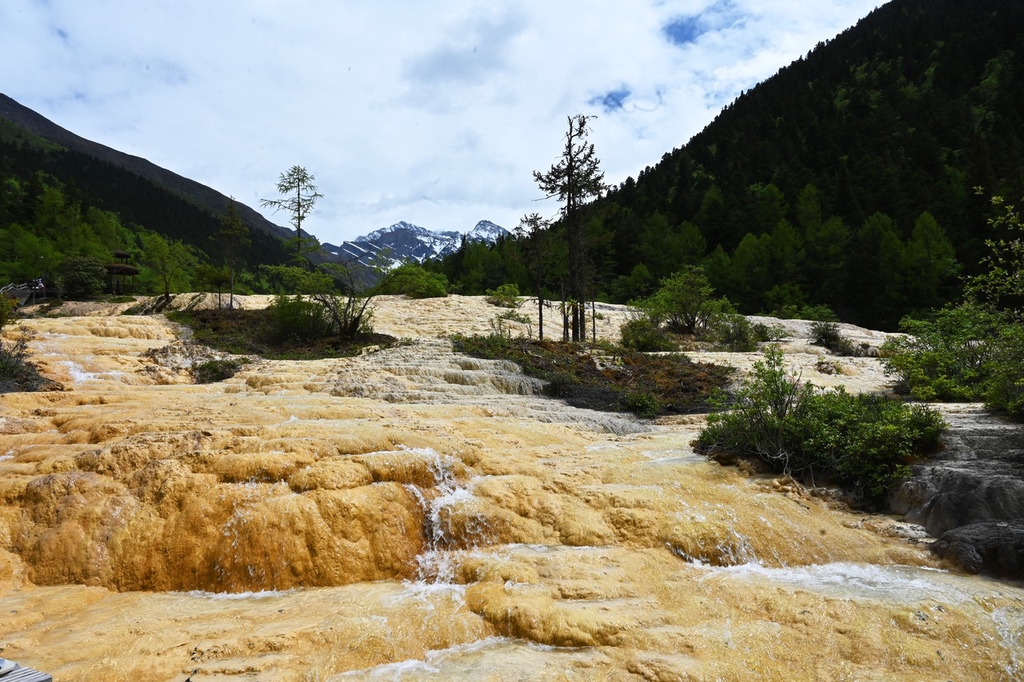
(434, 113)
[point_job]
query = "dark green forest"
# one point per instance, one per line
(845, 180)
(58, 203)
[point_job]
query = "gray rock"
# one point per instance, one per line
(971, 495)
(995, 548)
(978, 476)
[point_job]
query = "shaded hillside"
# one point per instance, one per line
(59, 201)
(814, 182)
(846, 180)
(201, 195)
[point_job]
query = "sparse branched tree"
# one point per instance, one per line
(210, 277)
(575, 179)
(300, 195)
(233, 238)
(1001, 286)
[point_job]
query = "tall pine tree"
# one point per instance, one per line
(575, 179)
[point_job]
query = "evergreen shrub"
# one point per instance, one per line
(643, 335)
(505, 296)
(827, 334)
(294, 317)
(736, 334)
(213, 371)
(862, 442)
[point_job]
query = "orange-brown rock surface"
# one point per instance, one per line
(414, 514)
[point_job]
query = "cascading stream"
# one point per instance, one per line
(450, 523)
(355, 518)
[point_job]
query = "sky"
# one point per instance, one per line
(432, 112)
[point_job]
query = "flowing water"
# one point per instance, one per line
(416, 515)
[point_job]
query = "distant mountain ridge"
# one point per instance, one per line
(405, 241)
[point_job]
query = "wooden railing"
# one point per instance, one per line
(26, 292)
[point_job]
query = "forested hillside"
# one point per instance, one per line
(846, 180)
(58, 203)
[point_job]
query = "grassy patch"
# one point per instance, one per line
(252, 332)
(213, 371)
(621, 381)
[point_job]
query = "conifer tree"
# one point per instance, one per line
(300, 195)
(575, 179)
(532, 236)
(233, 237)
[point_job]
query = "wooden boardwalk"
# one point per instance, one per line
(19, 674)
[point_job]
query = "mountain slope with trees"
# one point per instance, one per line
(81, 201)
(57, 137)
(845, 180)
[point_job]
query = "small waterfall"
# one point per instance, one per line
(450, 524)
(237, 568)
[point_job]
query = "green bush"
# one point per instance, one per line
(827, 334)
(862, 442)
(641, 403)
(7, 307)
(950, 357)
(505, 296)
(561, 385)
(756, 424)
(684, 303)
(13, 357)
(735, 334)
(295, 318)
(643, 335)
(81, 277)
(415, 281)
(212, 371)
(16, 372)
(1006, 387)
(769, 332)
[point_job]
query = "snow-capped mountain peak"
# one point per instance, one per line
(400, 227)
(486, 231)
(405, 241)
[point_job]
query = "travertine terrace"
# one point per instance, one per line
(416, 514)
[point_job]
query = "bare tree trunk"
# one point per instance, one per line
(565, 321)
(540, 314)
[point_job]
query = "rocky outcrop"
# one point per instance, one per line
(992, 548)
(971, 495)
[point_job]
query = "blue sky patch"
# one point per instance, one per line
(684, 30)
(613, 100)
